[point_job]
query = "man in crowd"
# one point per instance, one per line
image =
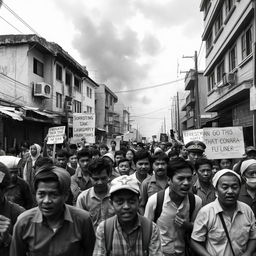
(62, 158)
(195, 150)
(203, 186)
(158, 181)
(178, 210)
(96, 200)
(53, 228)
(124, 167)
(81, 181)
(225, 226)
(126, 233)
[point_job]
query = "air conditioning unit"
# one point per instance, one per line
(231, 78)
(69, 106)
(42, 90)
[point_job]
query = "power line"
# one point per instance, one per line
(140, 115)
(10, 24)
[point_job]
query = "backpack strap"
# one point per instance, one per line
(108, 233)
(159, 204)
(192, 204)
(146, 225)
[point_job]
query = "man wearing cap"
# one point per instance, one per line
(225, 227)
(248, 189)
(195, 150)
(128, 225)
(53, 228)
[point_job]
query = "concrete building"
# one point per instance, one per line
(229, 33)
(107, 119)
(44, 83)
(124, 116)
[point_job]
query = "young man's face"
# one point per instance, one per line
(118, 158)
(49, 199)
(73, 161)
(126, 205)
(143, 166)
(160, 168)
(62, 161)
(124, 168)
(181, 181)
(100, 180)
(228, 189)
(193, 156)
(205, 173)
(83, 162)
(103, 151)
(225, 164)
(129, 155)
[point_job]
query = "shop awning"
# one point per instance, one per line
(40, 112)
(11, 112)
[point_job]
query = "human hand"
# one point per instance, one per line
(4, 226)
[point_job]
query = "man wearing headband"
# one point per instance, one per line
(53, 228)
(248, 190)
(225, 213)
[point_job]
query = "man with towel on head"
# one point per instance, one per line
(53, 228)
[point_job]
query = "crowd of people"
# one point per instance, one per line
(144, 199)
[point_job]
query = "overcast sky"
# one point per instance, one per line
(126, 44)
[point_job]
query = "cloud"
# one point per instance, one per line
(146, 100)
(151, 45)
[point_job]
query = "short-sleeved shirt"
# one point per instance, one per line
(208, 228)
(207, 196)
(127, 244)
(246, 198)
(99, 209)
(172, 236)
(32, 235)
(134, 177)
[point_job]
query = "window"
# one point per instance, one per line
(111, 101)
(106, 99)
(218, 23)
(228, 5)
(68, 79)
(232, 58)
(211, 81)
(247, 43)
(58, 72)
(38, 67)
(89, 92)
(58, 100)
(209, 42)
(89, 109)
(207, 7)
(77, 83)
(220, 71)
(77, 106)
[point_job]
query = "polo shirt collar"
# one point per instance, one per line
(217, 207)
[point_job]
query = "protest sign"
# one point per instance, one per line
(55, 135)
(190, 135)
(84, 127)
(224, 142)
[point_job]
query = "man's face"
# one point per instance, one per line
(126, 205)
(181, 181)
(193, 156)
(73, 161)
(205, 173)
(143, 166)
(228, 189)
(103, 151)
(225, 164)
(62, 161)
(100, 180)
(83, 162)
(118, 158)
(124, 168)
(33, 150)
(49, 199)
(14, 175)
(160, 168)
(129, 155)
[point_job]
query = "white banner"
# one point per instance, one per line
(190, 135)
(84, 127)
(56, 135)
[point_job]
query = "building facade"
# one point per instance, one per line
(124, 117)
(44, 83)
(229, 33)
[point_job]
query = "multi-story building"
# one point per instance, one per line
(190, 120)
(107, 119)
(229, 33)
(124, 117)
(43, 83)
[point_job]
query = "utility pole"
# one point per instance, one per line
(178, 115)
(254, 75)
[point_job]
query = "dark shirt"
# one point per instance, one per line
(11, 211)
(20, 194)
(246, 198)
(32, 235)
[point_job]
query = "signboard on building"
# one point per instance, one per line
(84, 127)
(163, 137)
(221, 142)
(56, 135)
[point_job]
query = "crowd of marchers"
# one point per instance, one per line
(144, 199)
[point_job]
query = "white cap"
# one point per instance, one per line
(220, 173)
(124, 182)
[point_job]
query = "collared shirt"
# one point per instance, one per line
(150, 186)
(33, 237)
(99, 209)
(79, 183)
(127, 244)
(135, 177)
(208, 228)
(172, 236)
(207, 196)
(246, 198)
